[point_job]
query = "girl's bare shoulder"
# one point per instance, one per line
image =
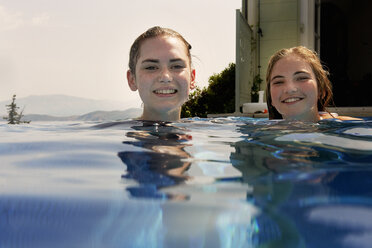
(326, 115)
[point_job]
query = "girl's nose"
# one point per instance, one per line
(291, 87)
(165, 76)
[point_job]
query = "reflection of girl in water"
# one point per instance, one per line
(164, 165)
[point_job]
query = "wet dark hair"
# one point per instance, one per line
(325, 94)
(152, 33)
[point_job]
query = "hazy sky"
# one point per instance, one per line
(80, 47)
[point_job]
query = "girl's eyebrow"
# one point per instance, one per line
(150, 61)
(277, 76)
(157, 61)
(176, 60)
(298, 72)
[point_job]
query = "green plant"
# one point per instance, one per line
(255, 88)
(218, 97)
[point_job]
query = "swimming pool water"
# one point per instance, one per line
(223, 182)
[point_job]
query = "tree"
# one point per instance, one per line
(13, 116)
(218, 97)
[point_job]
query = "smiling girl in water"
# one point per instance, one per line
(160, 69)
(297, 86)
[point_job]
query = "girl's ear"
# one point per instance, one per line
(192, 83)
(131, 80)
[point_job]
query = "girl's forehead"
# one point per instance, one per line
(292, 61)
(294, 58)
(163, 45)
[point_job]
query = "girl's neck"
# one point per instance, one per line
(308, 117)
(152, 115)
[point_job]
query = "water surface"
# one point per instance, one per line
(226, 182)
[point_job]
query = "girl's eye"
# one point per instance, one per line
(302, 78)
(150, 67)
(276, 82)
(177, 67)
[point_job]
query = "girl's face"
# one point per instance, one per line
(163, 77)
(294, 89)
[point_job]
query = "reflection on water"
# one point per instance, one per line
(213, 217)
(229, 182)
(163, 165)
(283, 146)
(297, 181)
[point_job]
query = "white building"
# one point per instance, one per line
(339, 30)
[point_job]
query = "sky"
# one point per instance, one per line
(80, 47)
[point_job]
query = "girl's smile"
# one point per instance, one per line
(165, 92)
(292, 100)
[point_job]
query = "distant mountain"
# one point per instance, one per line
(92, 116)
(62, 105)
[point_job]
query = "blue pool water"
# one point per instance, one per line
(227, 182)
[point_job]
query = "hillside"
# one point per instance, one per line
(62, 105)
(92, 116)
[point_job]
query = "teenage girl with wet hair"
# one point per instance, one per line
(160, 69)
(297, 86)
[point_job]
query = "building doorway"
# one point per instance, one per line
(346, 49)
